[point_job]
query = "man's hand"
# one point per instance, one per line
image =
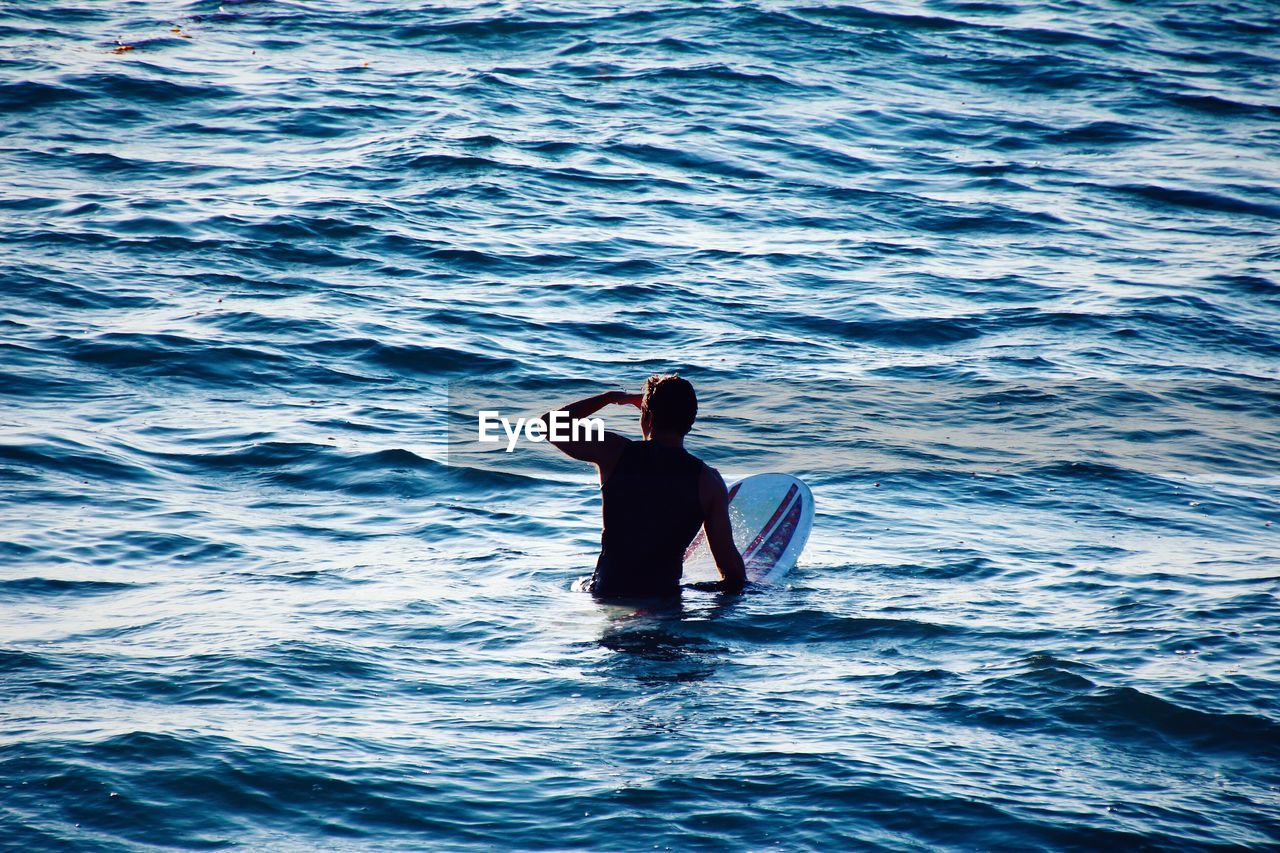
(718, 586)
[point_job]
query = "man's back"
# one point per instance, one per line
(652, 511)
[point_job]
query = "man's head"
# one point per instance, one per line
(668, 405)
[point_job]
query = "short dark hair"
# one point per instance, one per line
(670, 402)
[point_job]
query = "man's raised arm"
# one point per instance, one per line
(602, 451)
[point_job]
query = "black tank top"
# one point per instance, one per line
(651, 514)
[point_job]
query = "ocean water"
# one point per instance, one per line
(999, 280)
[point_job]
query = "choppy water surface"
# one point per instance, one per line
(998, 279)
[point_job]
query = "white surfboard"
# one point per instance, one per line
(771, 515)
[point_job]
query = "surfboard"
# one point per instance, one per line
(771, 515)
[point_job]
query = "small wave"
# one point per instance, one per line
(687, 160)
(180, 357)
(912, 332)
(1198, 200)
(1250, 284)
(712, 72)
(1050, 73)
(15, 660)
(1219, 26)
(817, 626)
(858, 16)
(972, 568)
(36, 586)
(1060, 37)
(255, 456)
(911, 680)
(131, 87)
(28, 95)
(1101, 133)
(435, 360)
(70, 459)
(1124, 711)
(1214, 105)
(300, 465)
(1041, 679)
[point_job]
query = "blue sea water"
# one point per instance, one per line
(999, 279)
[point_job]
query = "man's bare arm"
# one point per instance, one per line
(715, 503)
(602, 453)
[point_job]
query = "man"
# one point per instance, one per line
(655, 494)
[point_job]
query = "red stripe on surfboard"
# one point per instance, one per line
(702, 531)
(768, 528)
(767, 555)
(761, 550)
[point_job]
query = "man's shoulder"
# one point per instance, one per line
(617, 439)
(710, 477)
